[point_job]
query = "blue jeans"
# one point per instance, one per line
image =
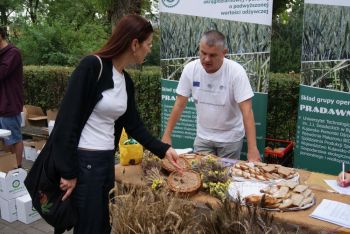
(13, 124)
(95, 180)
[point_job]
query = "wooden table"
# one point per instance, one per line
(320, 189)
(133, 175)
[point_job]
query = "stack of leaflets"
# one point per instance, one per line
(333, 212)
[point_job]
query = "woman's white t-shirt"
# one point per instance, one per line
(98, 132)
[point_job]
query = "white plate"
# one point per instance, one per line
(184, 151)
(242, 179)
(294, 208)
(246, 188)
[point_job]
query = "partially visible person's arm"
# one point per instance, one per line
(175, 115)
(249, 126)
(346, 181)
(9, 63)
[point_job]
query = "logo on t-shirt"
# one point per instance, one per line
(196, 83)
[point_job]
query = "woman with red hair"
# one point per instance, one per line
(98, 104)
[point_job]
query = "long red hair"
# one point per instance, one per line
(128, 28)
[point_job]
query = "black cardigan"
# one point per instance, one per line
(83, 93)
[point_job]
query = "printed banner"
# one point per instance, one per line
(328, 2)
(185, 129)
(323, 120)
(323, 130)
(250, 11)
(182, 24)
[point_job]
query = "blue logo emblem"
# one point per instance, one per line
(170, 3)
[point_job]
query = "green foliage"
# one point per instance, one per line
(45, 87)
(64, 31)
(153, 58)
(60, 35)
(7, 7)
(59, 43)
(286, 39)
(74, 12)
(148, 96)
(282, 108)
(280, 6)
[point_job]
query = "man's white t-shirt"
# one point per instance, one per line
(217, 97)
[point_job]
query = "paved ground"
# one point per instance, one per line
(17, 227)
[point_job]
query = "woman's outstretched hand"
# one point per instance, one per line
(173, 157)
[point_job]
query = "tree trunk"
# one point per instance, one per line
(32, 9)
(123, 7)
(3, 16)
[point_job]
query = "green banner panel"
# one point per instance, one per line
(260, 111)
(323, 130)
(185, 129)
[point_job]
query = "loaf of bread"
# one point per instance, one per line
(262, 171)
(285, 195)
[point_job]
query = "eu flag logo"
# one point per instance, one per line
(196, 83)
